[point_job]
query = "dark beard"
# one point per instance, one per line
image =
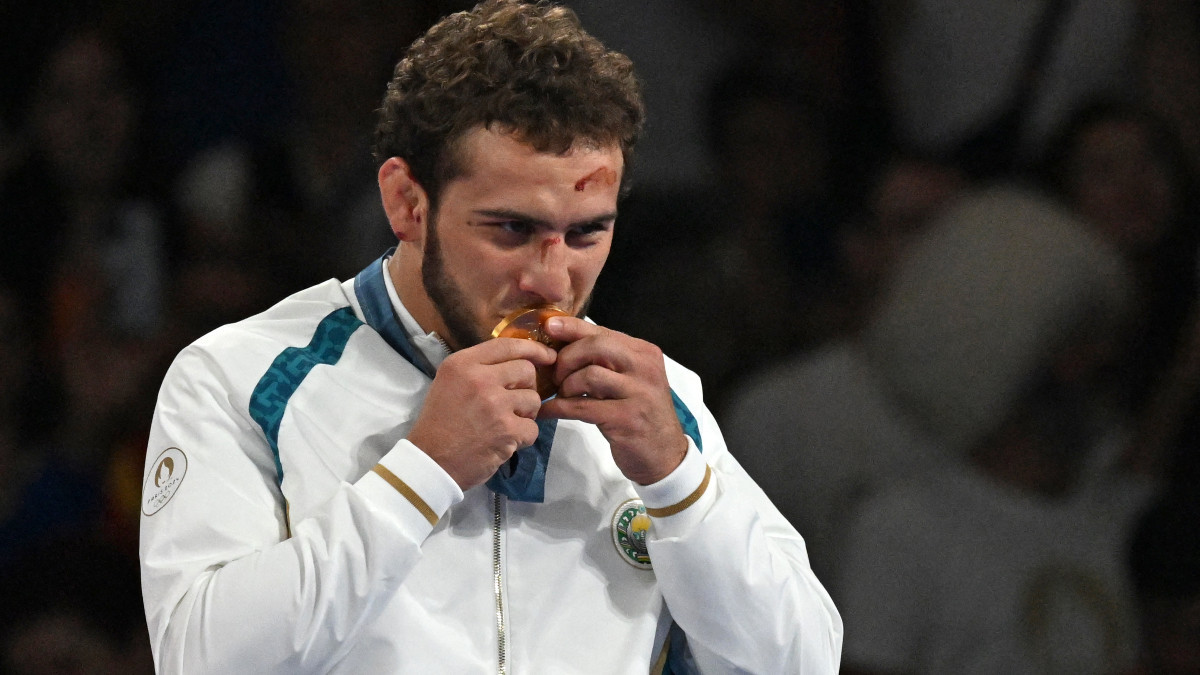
(446, 296)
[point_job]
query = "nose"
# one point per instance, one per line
(546, 274)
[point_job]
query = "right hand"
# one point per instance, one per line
(482, 407)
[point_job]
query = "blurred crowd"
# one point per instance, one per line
(935, 261)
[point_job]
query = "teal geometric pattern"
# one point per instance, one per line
(275, 388)
(687, 420)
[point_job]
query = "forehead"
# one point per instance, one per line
(488, 152)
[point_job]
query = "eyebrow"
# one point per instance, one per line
(507, 214)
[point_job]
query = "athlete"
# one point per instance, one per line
(361, 480)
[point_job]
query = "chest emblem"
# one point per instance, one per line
(630, 524)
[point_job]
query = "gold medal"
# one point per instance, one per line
(529, 323)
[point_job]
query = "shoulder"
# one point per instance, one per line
(290, 322)
(313, 319)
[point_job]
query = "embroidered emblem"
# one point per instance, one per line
(629, 527)
(166, 474)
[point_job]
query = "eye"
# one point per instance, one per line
(515, 226)
(511, 232)
(588, 234)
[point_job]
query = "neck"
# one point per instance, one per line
(404, 268)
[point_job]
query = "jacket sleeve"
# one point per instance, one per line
(226, 587)
(734, 573)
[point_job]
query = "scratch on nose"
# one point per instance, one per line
(547, 246)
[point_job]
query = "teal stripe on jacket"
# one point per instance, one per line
(276, 387)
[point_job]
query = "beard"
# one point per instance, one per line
(449, 300)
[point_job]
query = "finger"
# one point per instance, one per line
(526, 403)
(518, 374)
(592, 411)
(607, 349)
(569, 328)
(525, 434)
(499, 350)
(593, 381)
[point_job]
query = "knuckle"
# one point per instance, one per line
(530, 400)
(527, 371)
(454, 361)
(520, 432)
(530, 433)
(648, 350)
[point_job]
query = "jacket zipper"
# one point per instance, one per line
(498, 585)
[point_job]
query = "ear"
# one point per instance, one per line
(404, 200)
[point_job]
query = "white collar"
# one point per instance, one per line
(429, 345)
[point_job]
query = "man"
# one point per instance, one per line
(997, 548)
(359, 481)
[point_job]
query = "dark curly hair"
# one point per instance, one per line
(524, 68)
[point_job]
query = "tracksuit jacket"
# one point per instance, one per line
(289, 527)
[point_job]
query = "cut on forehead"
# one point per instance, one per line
(461, 150)
(601, 176)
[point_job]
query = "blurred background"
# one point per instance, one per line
(929, 257)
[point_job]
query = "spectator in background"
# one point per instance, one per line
(834, 49)
(88, 260)
(1124, 171)
(907, 193)
(994, 340)
(86, 251)
(302, 191)
(974, 81)
(338, 55)
(741, 264)
(83, 193)
(819, 426)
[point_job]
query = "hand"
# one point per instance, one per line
(619, 383)
(481, 408)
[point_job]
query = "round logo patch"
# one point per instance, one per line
(629, 527)
(164, 479)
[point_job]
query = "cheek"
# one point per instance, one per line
(474, 273)
(486, 279)
(589, 268)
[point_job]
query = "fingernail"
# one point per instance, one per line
(554, 323)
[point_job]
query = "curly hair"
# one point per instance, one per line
(525, 68)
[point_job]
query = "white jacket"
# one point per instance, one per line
(289, 527)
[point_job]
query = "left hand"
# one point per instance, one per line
(619, 383)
